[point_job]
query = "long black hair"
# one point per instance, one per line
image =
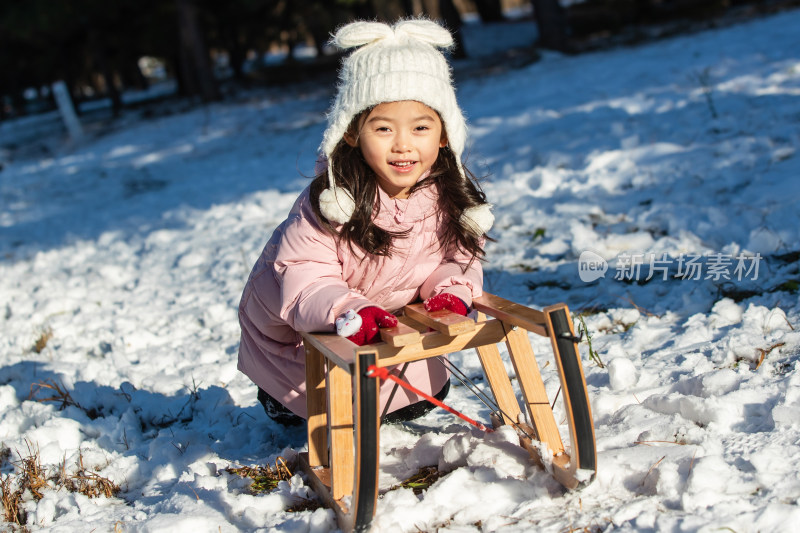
(456, 193)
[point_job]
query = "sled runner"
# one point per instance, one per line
(343, 402)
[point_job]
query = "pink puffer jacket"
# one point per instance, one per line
(303, 281)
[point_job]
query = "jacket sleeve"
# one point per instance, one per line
(451, 277)
(307, 268)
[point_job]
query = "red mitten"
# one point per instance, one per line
(370, 319)
(446, 301)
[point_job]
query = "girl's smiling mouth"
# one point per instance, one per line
(402, 165)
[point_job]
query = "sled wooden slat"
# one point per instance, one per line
(400, 335)
(341, 367)
(560, 464)
(496, 374)
(316, 404)
(435, 343)
(533, 390)
(564, 472)
(413, 324)
(512, 313)
(340, 402)
(320, 480)
(443, 321)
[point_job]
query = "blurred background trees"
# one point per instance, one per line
(103, 48)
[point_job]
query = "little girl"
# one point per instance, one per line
(392, 216)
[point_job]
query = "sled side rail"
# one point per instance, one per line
(512, 313)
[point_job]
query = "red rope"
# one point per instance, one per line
(383, 374)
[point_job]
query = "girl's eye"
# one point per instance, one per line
(422, 128)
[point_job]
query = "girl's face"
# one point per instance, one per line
(400, 141)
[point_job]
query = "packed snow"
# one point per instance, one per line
(674, 164)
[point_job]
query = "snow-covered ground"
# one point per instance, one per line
(130, 251)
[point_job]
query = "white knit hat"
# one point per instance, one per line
(394, 63)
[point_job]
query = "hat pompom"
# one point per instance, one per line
(478, 219)
(336, 204)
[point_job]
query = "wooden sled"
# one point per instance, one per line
(342, 458)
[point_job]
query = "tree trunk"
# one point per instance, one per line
(100, 53)
(236, 51)
(408, 7)
(187, 84)
(552, 24)
(195, 65)
(389, 10)
(364, 10)
(128, 65)
(134, 75)
(10, 90)
(452, 19)
(489, 10)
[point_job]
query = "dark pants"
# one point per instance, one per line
(280, 414)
